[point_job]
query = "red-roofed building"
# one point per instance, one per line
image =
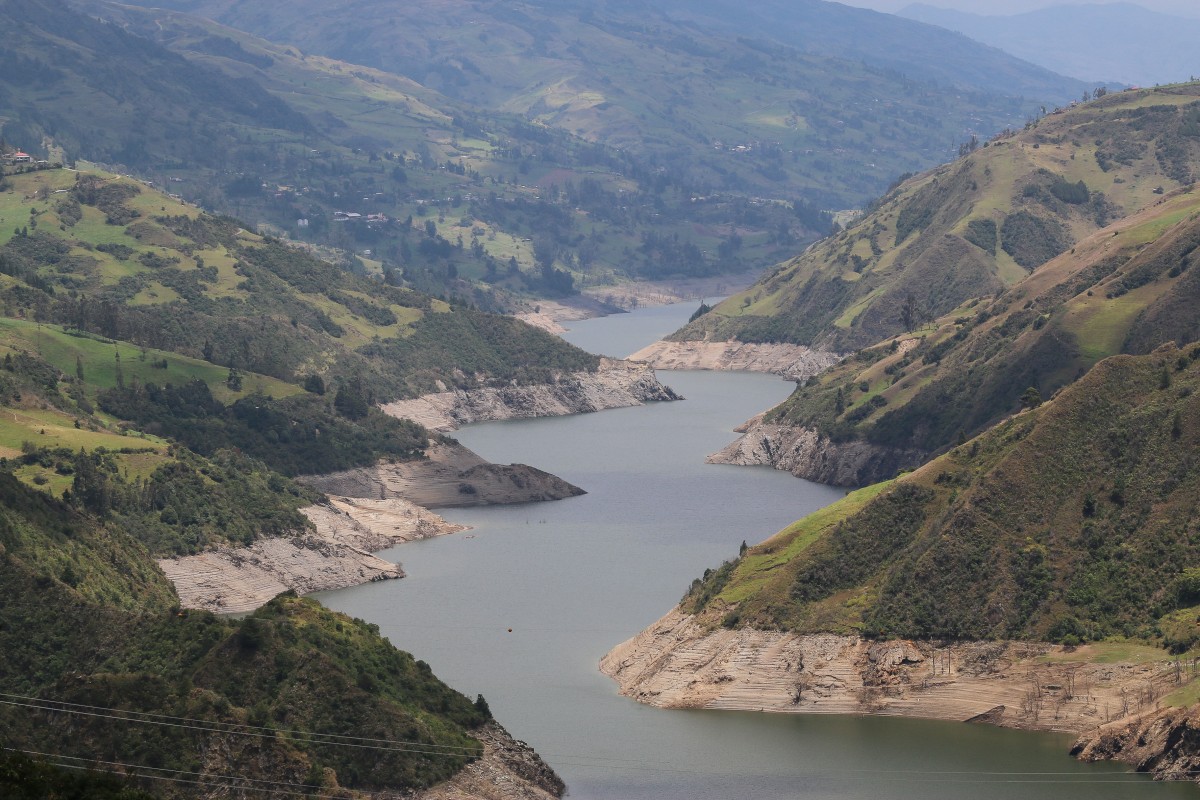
(20, 158)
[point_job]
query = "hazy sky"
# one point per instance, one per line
(1181, 7)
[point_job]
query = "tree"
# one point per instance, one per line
(79, 368)
(353, 400)
(1031, 398)
(314, 384)
(908, 311)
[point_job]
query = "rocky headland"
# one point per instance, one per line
(1163, 742)
(450, 476)
(808, 454)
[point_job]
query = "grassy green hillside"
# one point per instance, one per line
(90, 620)
(1125, 289)
(1075, 520)
(974, 227)
(112, 257)
(167, 370)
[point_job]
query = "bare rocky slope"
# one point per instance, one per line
(508, 770)
(808, 454)
(616, 384)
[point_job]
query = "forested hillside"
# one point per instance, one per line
(91, 626)
(1071, 521)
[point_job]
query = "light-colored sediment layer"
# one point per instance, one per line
(508, 770)
(807, 454)
(451, 476)
(792, 361)
(338, 554)
(616, 384)
(678, 663)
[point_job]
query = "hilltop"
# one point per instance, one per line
(971, 228)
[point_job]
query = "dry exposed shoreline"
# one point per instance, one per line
(337, 554)
(374, 508)
(681, 663)
(792, 361)
(616, 384)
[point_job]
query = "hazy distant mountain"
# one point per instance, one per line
(807, 98)
(1118, 42)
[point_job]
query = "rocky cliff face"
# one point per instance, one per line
(1165, 743)
(807, 454)
(508, 770)
(682, 662)
(616, 384)
(792, 361)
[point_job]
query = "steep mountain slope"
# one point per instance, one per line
(96, 654)
(727, 111)
(1074, 519)
(1112, 41)
(1125, 289)
(972, 227)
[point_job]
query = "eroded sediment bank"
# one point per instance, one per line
(792, 361)
(337, 554)
(680, 663)
(616, 384)
(808, 454)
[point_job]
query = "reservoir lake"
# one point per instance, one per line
(573, 578)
